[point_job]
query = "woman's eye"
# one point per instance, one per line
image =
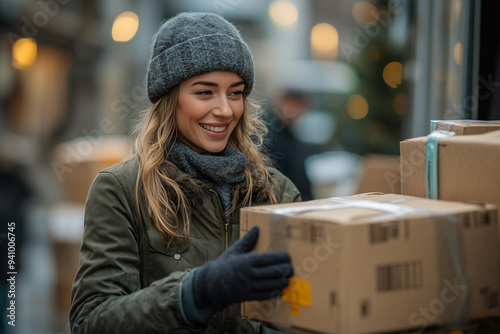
(204, 92)
(239, 92)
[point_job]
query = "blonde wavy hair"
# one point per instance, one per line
(156, 131)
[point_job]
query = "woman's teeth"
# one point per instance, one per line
(214, 128)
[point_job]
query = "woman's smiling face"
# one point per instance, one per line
(208, 108)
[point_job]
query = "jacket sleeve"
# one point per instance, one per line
(285, 190)
(107, 295)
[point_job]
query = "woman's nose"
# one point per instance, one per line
(223, 108)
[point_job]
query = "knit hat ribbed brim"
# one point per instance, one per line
(191, 44)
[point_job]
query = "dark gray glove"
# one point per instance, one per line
(239, 275)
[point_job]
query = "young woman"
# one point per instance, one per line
(160, 251)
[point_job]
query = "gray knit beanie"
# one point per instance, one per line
(191, 44)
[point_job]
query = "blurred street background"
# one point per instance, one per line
(360, 76)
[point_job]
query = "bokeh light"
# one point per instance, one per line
(457, 53)
(365, 13)
(283, 13)
(24, 53)
(357, 106)
(456, 7)
(324, 41)
(393, 73)
(125, 27)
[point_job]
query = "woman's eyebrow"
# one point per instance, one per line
(205, 83)
(237, 83)
(213, 84)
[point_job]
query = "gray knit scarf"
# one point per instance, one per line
(222, 170)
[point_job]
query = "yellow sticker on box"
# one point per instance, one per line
(297, 293)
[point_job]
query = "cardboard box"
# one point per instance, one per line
(77, 162)
(468, 168)
(66, 256)
(465, 126)
(66, 220)
(379, 173)
(379, 263)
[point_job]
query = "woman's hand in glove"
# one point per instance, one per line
(239, 275)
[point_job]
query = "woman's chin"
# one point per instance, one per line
(209, 148)
(216, 148)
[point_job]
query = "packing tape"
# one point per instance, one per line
(297, 293)
(449, 244)
(431, 162)
(388, 207)
(278, 225)
(449, 123)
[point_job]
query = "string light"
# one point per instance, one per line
(324, 40)
(283, 13)
(125, 27)
(24, 53)
(393, 73)
(357, 106)
(365, 13)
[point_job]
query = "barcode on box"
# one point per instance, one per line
(304, 232)
(316, 232)
(399, 276)
(479, 219)
(484, 219)
(296, 231)
(383, 232)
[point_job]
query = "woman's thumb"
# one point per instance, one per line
(247, 243)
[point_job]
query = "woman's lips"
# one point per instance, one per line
(215, 130)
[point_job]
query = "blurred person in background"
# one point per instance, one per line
(287, 152)
(160, 251)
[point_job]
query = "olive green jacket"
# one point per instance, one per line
(129, 280)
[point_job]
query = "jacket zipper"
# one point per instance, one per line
(226, 227)
(226, 245)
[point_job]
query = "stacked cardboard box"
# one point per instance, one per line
(466, 165)
(467, 168)
(465, 126)
(65, 231)
(379, 263)
(77, 162)
(379, 173)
